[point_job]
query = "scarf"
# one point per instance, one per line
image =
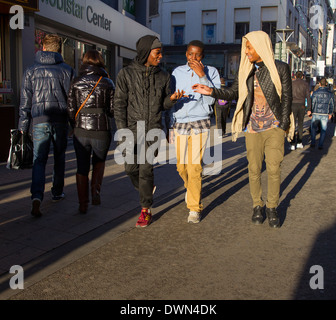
(262, 44)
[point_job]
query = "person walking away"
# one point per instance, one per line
(142, 92)
(190, 121)
(90, 109)
(43, 101)
(222, 110)
(301, 93)
(334, 115)
(321, 111)
(263, 88)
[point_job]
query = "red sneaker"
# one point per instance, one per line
(144, 219)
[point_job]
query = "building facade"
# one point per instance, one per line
(110, 26)
(297, 28)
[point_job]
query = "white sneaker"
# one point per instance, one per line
(194, 217)
(220, 137)
(299, 146)
(292, 148)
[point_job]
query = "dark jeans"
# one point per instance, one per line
(43, 135)
(84, 146)
(221, 116)
(299, 111)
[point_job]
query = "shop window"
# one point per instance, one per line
(68, 52)
(73, 50)
(6, 89)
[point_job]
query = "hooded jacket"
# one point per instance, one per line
(99, 107)
(275, 81)
(44, 90)
(141, 92)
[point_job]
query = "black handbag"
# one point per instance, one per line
(21, 150)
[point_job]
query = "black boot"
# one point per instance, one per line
(257, 217)
(83, 192)
(96, 181)
(273, 218)
(36, 208)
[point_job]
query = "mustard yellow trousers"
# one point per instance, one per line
(189, 154)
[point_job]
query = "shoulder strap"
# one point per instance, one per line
(87, 98)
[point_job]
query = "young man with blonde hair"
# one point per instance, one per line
(43, 102)
(263, 88)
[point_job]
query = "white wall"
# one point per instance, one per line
(225, 31)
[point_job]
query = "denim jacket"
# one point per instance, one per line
(322, 101)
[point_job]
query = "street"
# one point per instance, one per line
(101, 255)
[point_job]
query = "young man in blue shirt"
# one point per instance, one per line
(190, 119)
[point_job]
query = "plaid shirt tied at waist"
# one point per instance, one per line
(197, 127)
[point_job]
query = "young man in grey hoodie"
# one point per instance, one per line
(142, 92)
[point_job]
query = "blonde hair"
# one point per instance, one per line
(52, 42)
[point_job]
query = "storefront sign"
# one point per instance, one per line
(79, 11)
(95, 18)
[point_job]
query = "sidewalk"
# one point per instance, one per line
(24, 238)
(228, 246)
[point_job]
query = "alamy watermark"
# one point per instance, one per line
(317, 280)
(317, 16)
(17, 20)
(152, 147)
(16, 281)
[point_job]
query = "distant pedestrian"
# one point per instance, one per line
(90, 109)
(321, 111)
(263, 88)
(334, 115)
(222, 110)
(301, 94)
(190, 119)
(44, 101)
(142, 93)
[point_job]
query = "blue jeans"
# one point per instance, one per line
(323, 120)
(43, 135)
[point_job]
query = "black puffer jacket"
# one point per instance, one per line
(94, 115)
(281, 109)
(44, 90)
(141, 92)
